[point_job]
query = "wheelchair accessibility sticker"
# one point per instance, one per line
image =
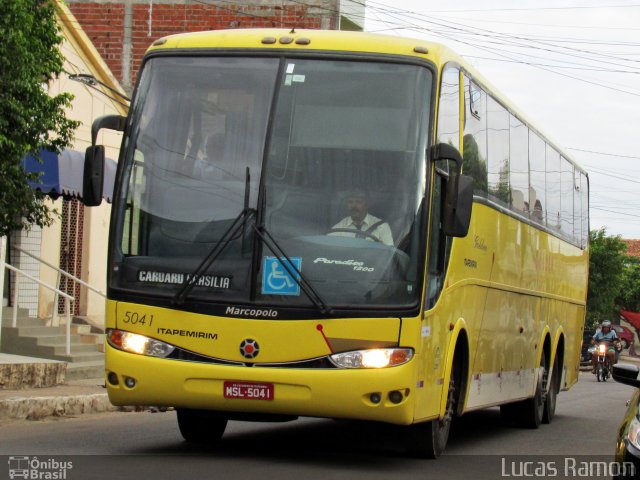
(276, 280)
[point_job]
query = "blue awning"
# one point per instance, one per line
(61, 174)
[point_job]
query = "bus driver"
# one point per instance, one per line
(359, 223)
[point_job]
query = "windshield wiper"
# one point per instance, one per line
(228, 236)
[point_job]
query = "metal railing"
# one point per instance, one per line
(57, 291)
(67, 302)
(61, 273)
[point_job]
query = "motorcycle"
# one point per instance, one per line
(603, 365)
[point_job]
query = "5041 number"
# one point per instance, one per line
(134, 318)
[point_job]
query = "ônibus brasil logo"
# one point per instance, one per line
(35, 468)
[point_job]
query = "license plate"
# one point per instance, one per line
(248, 390)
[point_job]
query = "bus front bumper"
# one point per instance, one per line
(385, 395)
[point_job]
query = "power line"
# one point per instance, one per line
(583, 7)
(613, 211)
(406, 22)
(604, 153)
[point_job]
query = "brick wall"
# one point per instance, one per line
(122, 30)
(633, 248)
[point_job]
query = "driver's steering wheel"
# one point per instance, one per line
(355, 231)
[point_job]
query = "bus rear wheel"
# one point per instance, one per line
(200, 426)
(552, 394)
(529, 413)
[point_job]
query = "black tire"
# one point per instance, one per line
(200, 426)
(599, 373)
(528, 413)
(552, 394)
(429, 439)
(510, 412)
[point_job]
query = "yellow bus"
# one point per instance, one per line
(291, 235)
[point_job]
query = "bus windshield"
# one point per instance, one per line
(325, 157)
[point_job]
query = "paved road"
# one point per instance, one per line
(148, 445)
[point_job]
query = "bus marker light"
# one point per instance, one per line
(375, 398)
(130, 382)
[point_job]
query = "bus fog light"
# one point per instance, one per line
(134, 343)
(130, 382)
(395, 397)
(112, 378)
(374, 358)
(375, 398)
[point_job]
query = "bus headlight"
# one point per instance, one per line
(633, 434)
(135, 343)
(375, 358)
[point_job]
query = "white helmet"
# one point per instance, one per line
(606, 323)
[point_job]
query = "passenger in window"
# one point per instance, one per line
(537, 211)
(210, 164)
(360, 223)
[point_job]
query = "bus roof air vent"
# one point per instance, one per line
(269, 40)
(303, 41)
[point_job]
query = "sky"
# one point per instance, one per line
(571, 66)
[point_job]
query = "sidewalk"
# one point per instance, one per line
(68, 399)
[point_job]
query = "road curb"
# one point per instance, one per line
(36, 408)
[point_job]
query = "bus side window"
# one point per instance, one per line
(439, 244)
(448, 131)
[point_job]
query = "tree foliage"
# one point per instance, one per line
(30, 119)
(629, 297)
(606, 276)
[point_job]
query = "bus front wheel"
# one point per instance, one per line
(200, 426)
(429, 439)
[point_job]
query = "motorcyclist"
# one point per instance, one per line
(605, 334)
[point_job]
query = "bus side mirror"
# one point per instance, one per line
(626, 373)
(112, 122)
(93, 176)
(457, 206)
(458, 198)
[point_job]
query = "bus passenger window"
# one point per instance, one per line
(538, 190)
(519, 165)
(474, 143)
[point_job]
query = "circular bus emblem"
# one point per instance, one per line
(249, 348)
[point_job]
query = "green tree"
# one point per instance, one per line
(629, 298)
(606, 274)
(30, 119)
